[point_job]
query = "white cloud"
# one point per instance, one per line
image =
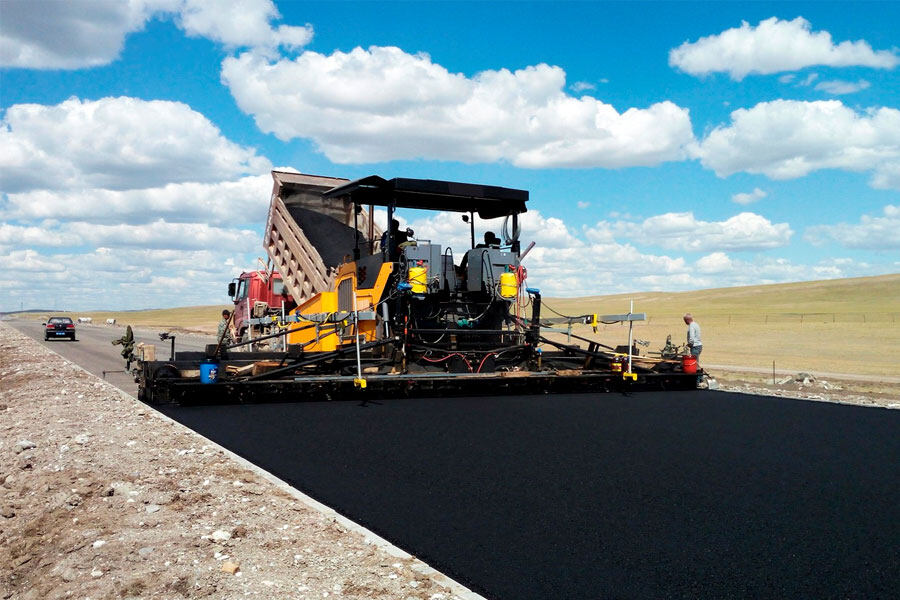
(240, 202)
(872, 233)
(105, 207)
(808, 80)
(240, 24)
(749, 197)
(682, 231)
(117, 143)
(350, 103)
(73, 35)
(774, 46)
(717, 262)
(786, 139)
(582, 204)
(117, 278)
(157, 234)
(837, 87)
(787, 78)
(582, 86)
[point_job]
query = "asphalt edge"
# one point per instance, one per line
(454, 587)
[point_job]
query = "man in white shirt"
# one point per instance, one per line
(693, 336)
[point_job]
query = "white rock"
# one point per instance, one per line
(220, 535)
(82, 438)
(24, 445)
(152, 508)
(96, 573)
(99, 543)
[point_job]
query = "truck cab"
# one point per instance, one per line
(257, 294)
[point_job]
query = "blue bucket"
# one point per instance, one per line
(209, 372)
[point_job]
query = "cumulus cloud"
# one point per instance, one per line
(74, 35)
(786, 139)
(116, 278)
(749, 197)
(158, 234)
(125, 203)
(240, 23)
(116, 143)
(240, 202)
(717, 262)
(349, 103)
(774, 46)
(683, 231)
(837, 87)
(871, 233)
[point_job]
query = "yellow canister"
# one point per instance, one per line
(509, 285)
(418, 279)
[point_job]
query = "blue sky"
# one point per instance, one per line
(666, 146)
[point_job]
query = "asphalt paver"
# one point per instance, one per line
(651, 495)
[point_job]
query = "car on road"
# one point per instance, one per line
(59, 327)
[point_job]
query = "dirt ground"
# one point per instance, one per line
(806, 386)
(103, 498)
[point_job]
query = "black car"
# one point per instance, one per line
(59, 327)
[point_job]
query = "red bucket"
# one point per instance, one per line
(689, 364)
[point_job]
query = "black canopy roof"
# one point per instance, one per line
(487, 201)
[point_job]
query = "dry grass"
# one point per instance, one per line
(843, 326)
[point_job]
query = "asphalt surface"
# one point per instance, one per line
(655, 495)
(93, 349)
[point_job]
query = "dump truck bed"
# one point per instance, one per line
(308, 236)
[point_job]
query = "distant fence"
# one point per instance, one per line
(764, 318)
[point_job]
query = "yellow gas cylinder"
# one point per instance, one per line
(509, 285)
(418, 279)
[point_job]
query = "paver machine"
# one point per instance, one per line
(382, 313)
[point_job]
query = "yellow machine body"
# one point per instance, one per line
(418, 279)
(509, 285)
(326, 337)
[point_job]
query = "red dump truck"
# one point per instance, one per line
(258, 294)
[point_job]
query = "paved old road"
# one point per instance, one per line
(675, 495)
(94, 350)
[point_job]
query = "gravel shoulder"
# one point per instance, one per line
(102, 497)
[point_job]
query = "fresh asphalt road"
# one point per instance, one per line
(654, 495)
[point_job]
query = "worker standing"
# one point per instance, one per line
(693, 336)
(225, 331)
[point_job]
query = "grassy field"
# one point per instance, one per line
(843, 326)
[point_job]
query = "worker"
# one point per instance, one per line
(490, 240)
(127, 343)
(225, 332)
(398, 239)
(693, 336)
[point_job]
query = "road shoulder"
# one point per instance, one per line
(104, 497)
